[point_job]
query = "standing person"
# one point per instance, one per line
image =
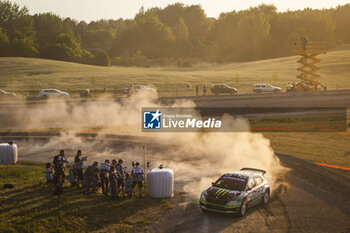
(105, 168)
(90, 176)
(137, 178)
(49, 173)
(72, 177)
(303, 43)
(113, 182)
(205, 88)
(59, 162)
(78, 168)
(120, 175)
(197, 90)
(128, 185)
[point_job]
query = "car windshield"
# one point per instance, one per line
(231, 183)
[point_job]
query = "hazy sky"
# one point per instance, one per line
(113, 9)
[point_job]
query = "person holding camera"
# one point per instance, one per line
(78, 168)
(59, 162)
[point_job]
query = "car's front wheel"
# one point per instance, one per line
(243, 209)
(266, 197)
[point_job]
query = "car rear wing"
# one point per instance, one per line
(254, 170)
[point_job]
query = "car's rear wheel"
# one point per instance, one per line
(266, 197)
(243, 209)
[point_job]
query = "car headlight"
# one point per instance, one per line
(233, 204)
(204, 194)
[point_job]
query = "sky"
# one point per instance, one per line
(114, 9)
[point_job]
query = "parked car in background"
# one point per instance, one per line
(133, 89)
(52, 93)
(258, 88)
(223, 89)
(5, 94)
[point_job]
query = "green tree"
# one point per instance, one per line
(4, 43)
(66, 48)
(237, 79)
(275, 76)
(100, 38)
(180, 30)
(93, 80)
(18, 25)
(341, 15)
(102, 59)
(48, 26)
(147, 34)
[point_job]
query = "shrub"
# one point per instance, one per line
(101, 59)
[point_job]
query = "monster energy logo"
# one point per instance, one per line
(221, 192)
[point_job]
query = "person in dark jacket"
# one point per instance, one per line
(104, 168)
(120, 176)
(113, 181)
(90, 176)
(59, 162)
(78, 168)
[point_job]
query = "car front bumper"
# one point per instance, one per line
(228, 209)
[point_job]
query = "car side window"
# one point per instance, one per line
(258, 180)
(251, 183)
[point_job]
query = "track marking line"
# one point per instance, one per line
(302, 127)
(332, 166)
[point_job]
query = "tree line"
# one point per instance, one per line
(177, 34)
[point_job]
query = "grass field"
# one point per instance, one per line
(31, 206)
(26, 74)
(322, 147)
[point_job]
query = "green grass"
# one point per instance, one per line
(31, 74)
(31, 206)
(323, 147)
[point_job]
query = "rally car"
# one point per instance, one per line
(235, 192)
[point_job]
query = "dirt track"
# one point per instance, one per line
(318, 200)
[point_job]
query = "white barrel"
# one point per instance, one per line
(8, 153)
(160, 183)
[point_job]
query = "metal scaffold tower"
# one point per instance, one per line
(309, 77)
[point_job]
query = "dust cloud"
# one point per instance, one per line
(197, 158)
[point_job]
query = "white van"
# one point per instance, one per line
(258, 88)
(47, 93)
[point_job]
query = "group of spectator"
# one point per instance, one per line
(112, 177)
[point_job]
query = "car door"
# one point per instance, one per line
(226, 89)
(270, 88)
(259, 186)
(250, 190)
(56, 93)
(253, 192)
